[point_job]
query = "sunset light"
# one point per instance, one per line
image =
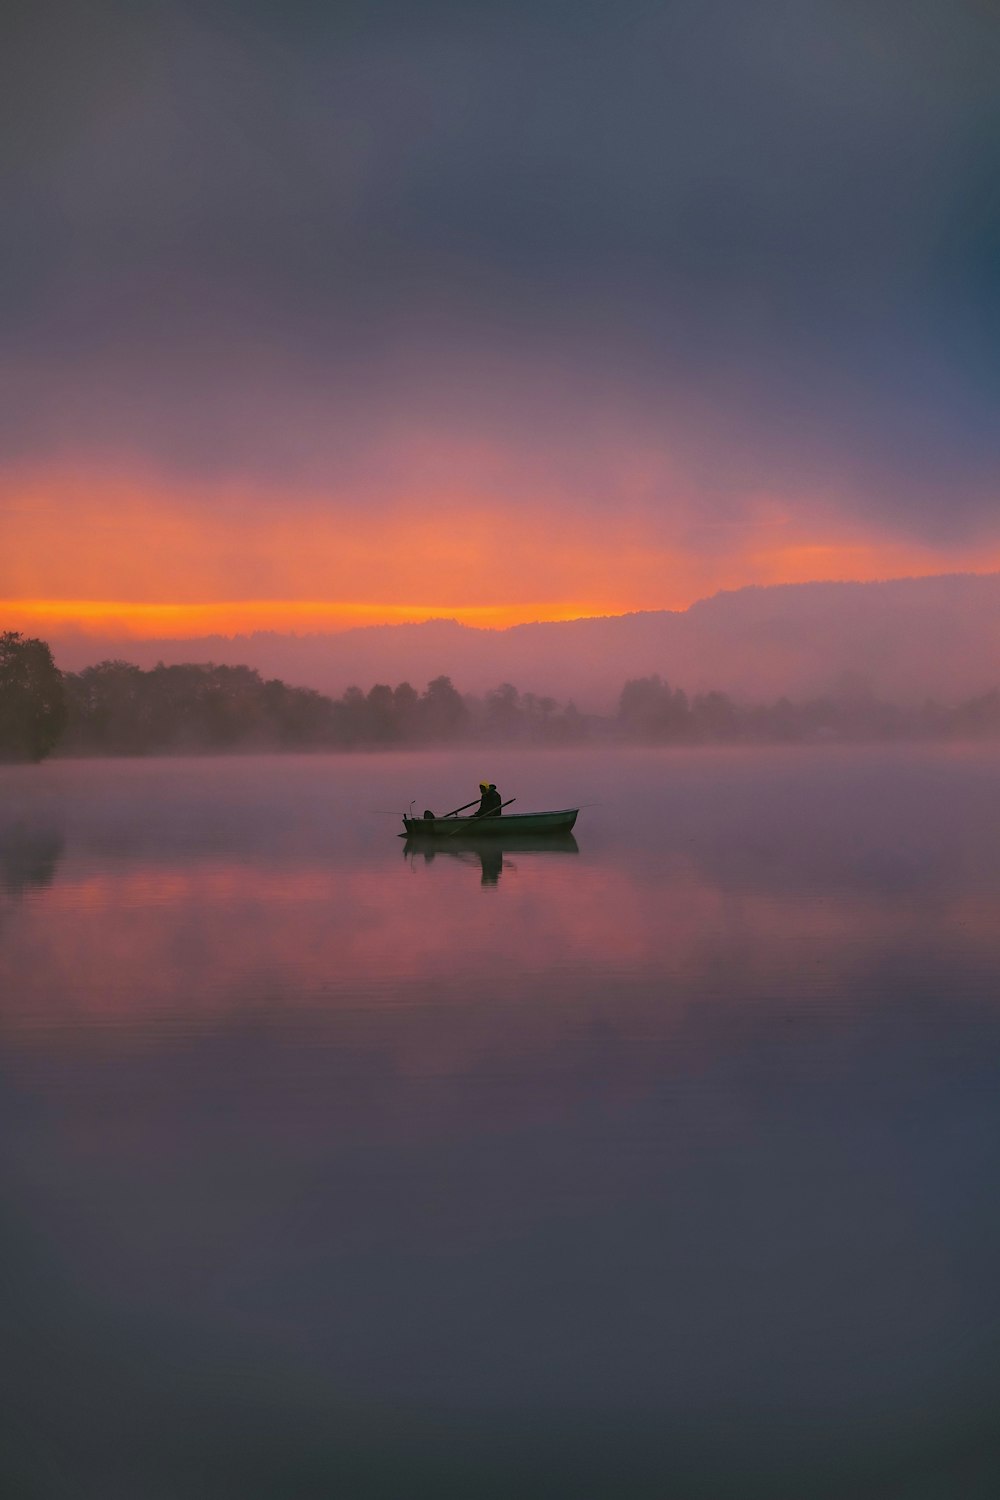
(500, 749)
(242, 616)
(160, 559)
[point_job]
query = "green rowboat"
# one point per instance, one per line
(504, 825)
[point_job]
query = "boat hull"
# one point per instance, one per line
(507, 825)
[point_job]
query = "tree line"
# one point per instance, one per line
(117, 708)
(651, 711)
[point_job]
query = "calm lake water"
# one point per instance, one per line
(663, 1162)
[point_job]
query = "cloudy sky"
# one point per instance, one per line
(314, 314)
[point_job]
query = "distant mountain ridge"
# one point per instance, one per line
(905, 639)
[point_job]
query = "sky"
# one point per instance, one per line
(314, 315)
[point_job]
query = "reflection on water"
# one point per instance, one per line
(664, 1164)
(487, 854)
(28, 857)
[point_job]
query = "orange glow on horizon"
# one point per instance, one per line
(145, 621)
(139, 557)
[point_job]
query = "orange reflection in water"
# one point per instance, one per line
(462, 972)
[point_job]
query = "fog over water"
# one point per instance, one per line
(660, 1160)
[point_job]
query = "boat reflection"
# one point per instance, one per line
(487, 853)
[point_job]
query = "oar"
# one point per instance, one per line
(459, 809)
(494, 814)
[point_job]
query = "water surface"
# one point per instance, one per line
(659, 1162)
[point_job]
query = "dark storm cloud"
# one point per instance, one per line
(769, 232)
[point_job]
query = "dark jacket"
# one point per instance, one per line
(490, 802)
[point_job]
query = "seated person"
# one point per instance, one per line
(490, 801)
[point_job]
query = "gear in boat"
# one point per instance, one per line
(489, 818)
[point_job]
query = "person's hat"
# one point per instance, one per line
(485, 785)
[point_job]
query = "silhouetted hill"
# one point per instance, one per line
(904, 638)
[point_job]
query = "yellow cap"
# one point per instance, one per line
(485, 785)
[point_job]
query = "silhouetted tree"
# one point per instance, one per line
(542, 719)
(405, 703)
(32, 698)
(443, 715)
(302, 718)
(714, 717)
(381, 718)
(649, 710)
(778, 722)
(351, 717)
(504, 718)
(118, 708)
(977, 717)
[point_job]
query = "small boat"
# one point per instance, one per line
(503, 825)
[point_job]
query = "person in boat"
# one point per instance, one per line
(490, 801)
